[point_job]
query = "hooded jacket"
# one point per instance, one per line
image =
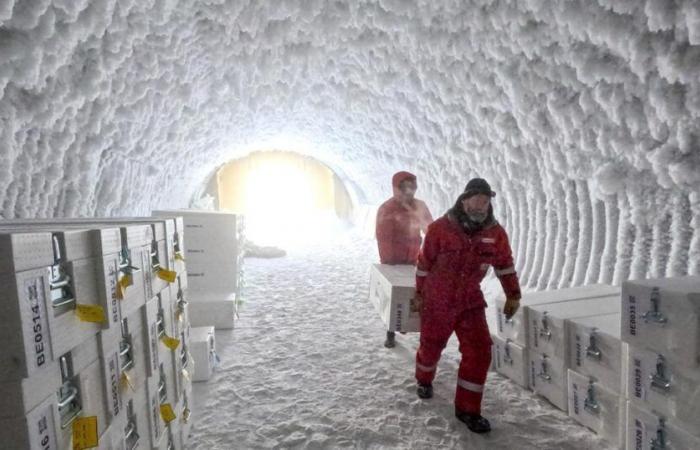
(399, 225)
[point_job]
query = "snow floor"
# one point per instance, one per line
(306, 368)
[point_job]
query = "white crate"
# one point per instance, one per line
(180, 308)
(152, 336)
(646, 430)
(594, 406)
(130, 430)
(126, 349)
(511, 361)
(595, 349)
(547, 331)
(548, 378)
(516, 327)
(204, 311)
(392, 290)
(20, 251)
(203, 351)
(156, 425)
(25, 328)
(184, 419)
(214, 277)
(664, 315)
(22, 395)
(656, 382)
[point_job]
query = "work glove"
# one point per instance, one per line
(512, 305)
(417, 303)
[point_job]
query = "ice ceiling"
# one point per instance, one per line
(583, 114)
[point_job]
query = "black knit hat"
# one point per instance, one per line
(477, 186)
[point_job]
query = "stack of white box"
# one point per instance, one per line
(392, 290)
(214, 255)
(661, 324)
(597, 379)
(62, 367)
(513, 355)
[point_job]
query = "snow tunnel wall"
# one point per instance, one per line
(583, 114)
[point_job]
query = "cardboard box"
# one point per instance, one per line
(595, 349)
(664, 315)
(392, 290)
(516, 328)
(547, 332)
(594, 406)
(511, 361)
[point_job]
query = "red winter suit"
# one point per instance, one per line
(399, 225)
(452, 263)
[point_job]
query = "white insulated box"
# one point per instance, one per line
(647, 430)
(392, 290)
(516, 327)
(203, 351)
(594, 406)
(24, 251)
(664, 315)
(547, 331)
(658, 383)
(212, 309)
(23, 395)
(511, 361)
(595, 349)
(548, 378)
(155, 395)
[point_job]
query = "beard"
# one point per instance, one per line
(477, 216)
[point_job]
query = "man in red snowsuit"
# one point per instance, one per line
(457, 252)
(400, 221)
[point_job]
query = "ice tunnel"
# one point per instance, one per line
(584, 115)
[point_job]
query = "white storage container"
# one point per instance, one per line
(658, 383)
(664, 315)
(212, 309)
(392, 291)
(595, 349)
(647, 430)
(511, 361)
(547, 330)
(593, 405)
(203, 350)
(548, 378)
(516, 328)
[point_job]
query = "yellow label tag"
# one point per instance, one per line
(167, 413)
(126, 381)
(168, 275)
(124, 282)
(90, 313)
(85, 433)
(179, 257)
(170, 342)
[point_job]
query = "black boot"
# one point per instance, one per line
(475, 422)
(390, 340)
(424, 390)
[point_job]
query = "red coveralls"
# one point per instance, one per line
(450, 268)
(399, 226)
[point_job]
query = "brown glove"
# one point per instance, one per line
(417, 303)
(511, 307)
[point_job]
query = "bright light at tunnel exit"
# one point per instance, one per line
(282, 208)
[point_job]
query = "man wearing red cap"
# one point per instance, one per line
(457, 252)
(400, 221)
